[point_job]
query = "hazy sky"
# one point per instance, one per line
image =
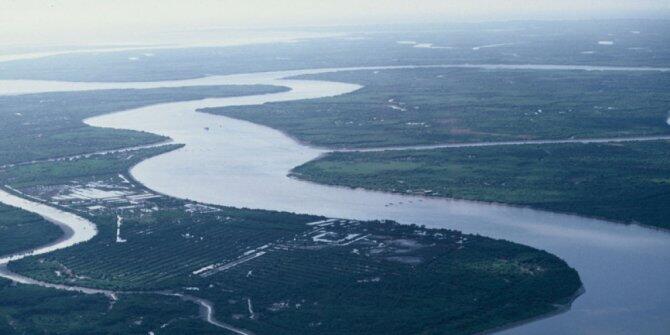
(69, 21)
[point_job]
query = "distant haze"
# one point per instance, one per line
(87, 21)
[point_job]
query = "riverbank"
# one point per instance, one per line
(622, 182)
(257, 179)
(21, 231)
(599, 250)
(485, 262)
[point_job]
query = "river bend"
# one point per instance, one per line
(236, 163)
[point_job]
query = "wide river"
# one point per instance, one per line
(625, 268)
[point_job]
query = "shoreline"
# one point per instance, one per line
(560, 309)
(206, 308)
(484, 202)
(203, 110)
(135, 179)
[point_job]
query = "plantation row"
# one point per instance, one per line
(373, 285)
(26, 309)
(163, 253)
(301, 284)
(345, 292)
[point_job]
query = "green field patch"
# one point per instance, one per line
(625, 182)
(430, 106)
(49, 125)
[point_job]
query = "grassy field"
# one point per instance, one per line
(429, 106)
(38, 126)
(327, 278)
(46, 173)
(625, 182)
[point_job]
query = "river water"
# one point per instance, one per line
(625, 269)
